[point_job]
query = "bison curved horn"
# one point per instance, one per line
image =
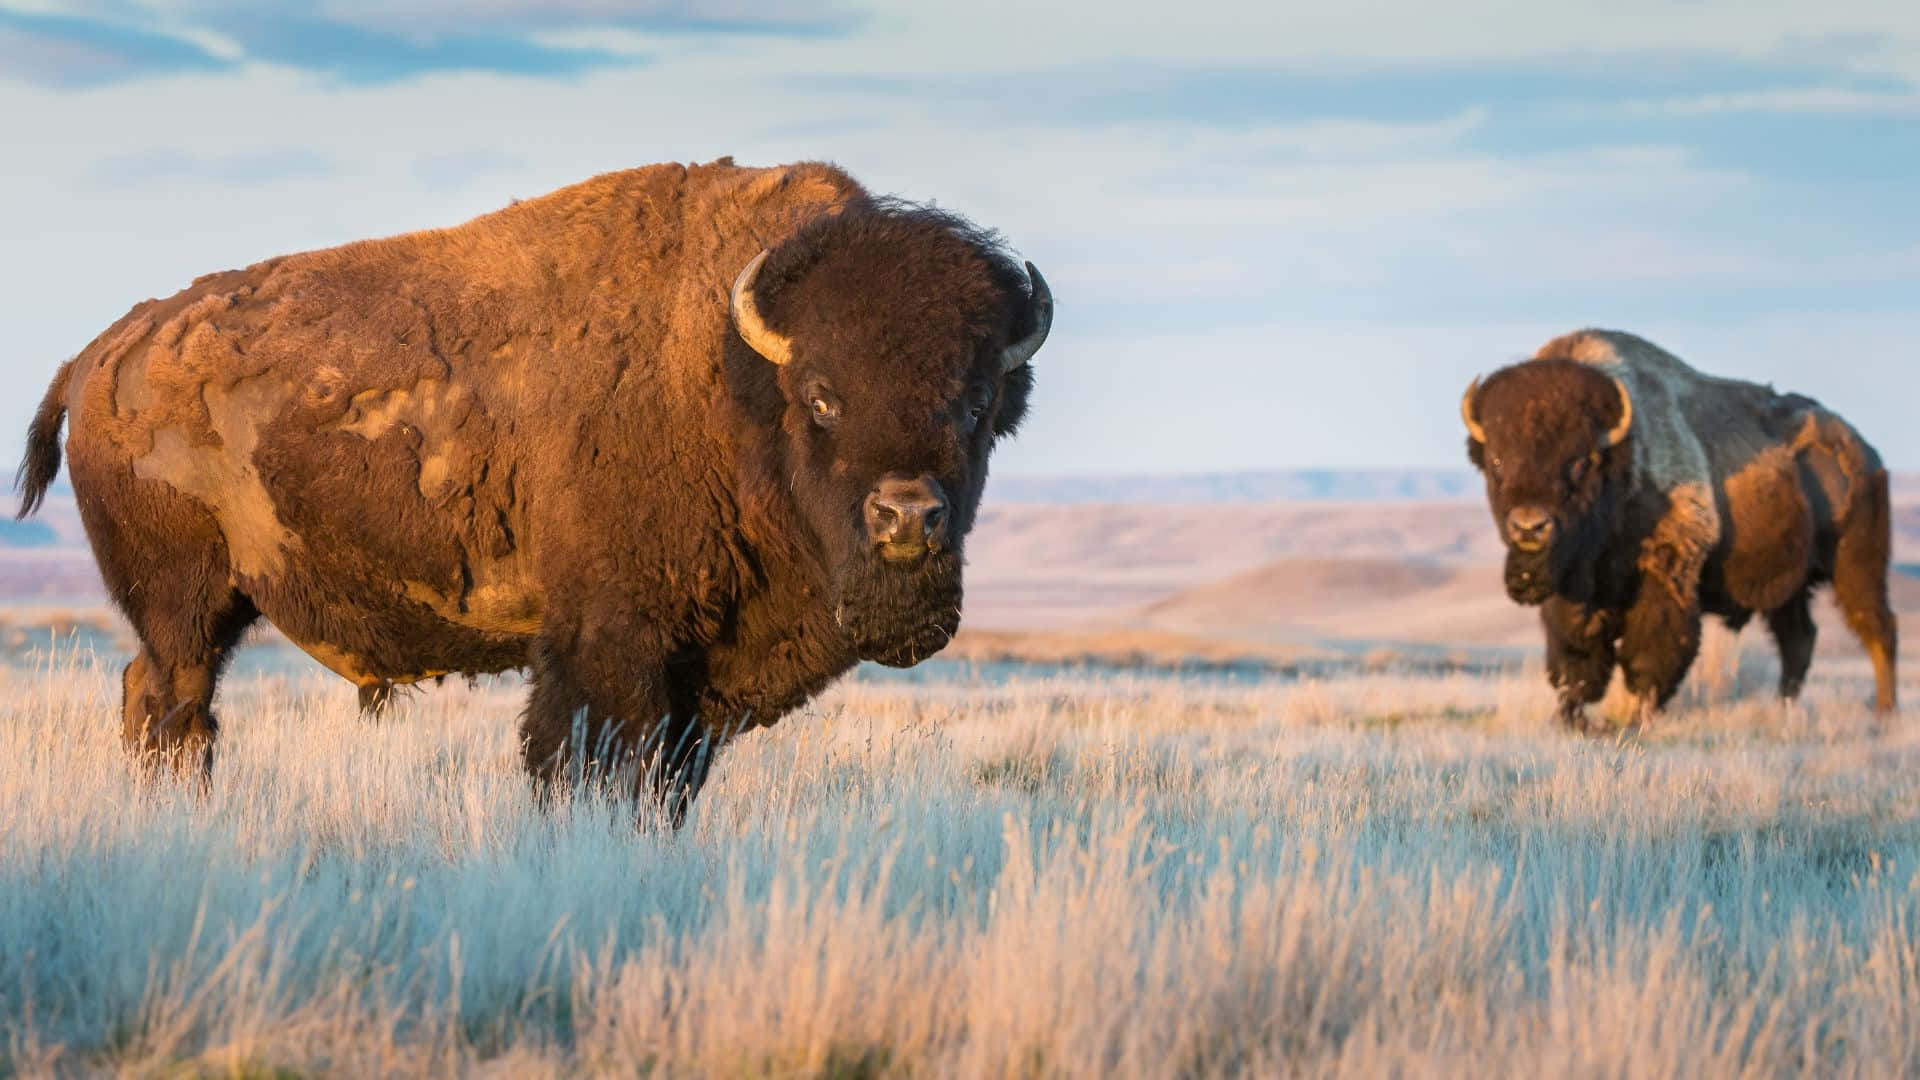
(1020, 352)
(1474, 430)
(1625, 425)
(754, 331)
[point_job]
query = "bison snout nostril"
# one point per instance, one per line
(907, 514)
(1529, 527)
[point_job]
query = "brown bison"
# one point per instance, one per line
(1635, 493)
(685, 442)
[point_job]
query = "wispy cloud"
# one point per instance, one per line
(461, 167)
(437, 17)
(1223, 96)
(245, 169)
(67, 51)
(92, 42)
(364, 54)
(1795, 100)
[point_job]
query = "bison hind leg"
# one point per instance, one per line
(165, 564)
(166, 703)
(1794, 633)
(1862, 560)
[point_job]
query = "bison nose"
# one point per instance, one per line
(907, 516)
(1529, 528)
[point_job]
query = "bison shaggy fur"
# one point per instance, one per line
(542, 440)
(1636, 494)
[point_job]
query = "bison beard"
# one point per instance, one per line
(1566, 566)
(1529, 576)
(899, 616)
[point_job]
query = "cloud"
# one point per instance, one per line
(104, 41)
(70, 52)
(244, 169)
(1798, 100)
(360, 54)
(461, 167)
(1216, 95)
(439, 17)
(1262, 233)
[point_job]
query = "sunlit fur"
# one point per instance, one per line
(537, 440)
(1723, 498)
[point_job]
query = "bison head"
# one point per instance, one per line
(890, 349)
(1550, 438)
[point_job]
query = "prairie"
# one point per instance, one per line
(1057, 875)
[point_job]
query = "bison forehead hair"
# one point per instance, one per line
(1538, 419)
(895, 293)
(899, 316)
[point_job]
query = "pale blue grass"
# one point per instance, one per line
(1130, 877)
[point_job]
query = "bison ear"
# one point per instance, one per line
(1468, 405)
(753, 329)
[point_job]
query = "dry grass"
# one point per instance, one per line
(1370, 876)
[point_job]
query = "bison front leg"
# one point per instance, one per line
(1658, 644)
(601, 713)
(694, 738)
(1580, 657)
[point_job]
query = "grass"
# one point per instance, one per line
(1375, 875)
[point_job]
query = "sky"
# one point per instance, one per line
(1279, 235)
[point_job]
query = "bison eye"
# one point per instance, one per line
(1577, 470)
(825, 410)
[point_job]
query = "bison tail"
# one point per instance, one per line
(42, 461)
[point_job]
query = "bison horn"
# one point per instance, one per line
(1620, 429)
(754, 331)
(1020, 352)
(1474, 430)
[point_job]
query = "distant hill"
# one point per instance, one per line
(1275, 485)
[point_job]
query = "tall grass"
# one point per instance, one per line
(1369, 876)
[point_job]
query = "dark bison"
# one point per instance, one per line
(1635, 493)
(685, 442)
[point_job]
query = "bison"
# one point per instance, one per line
(1635, 494)
(683, 442)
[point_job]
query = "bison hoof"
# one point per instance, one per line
(1644, 714)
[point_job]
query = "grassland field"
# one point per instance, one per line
(1069, 875)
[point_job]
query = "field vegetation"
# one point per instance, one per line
(1077, 876)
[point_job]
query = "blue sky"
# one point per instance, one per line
(1280, 235)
